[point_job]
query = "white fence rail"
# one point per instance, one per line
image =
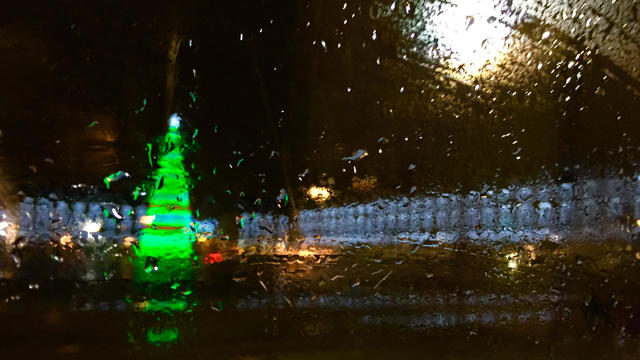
(596, 208)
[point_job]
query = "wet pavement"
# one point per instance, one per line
(539, 300)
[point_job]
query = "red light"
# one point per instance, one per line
(215, 257)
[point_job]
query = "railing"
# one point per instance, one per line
(596, 208)
(585, 209)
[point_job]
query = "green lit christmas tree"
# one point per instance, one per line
(165, 258)
(165, 251)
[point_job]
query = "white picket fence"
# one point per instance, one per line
(590, 209)
(594, 208)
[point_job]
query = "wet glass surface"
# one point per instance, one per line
(320, 179)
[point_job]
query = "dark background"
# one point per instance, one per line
(278, 100)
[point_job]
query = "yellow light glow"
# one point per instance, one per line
(306, 253)
(129, 240)
(638, 222)
(65, 240)
(319, 193)
(9, 231)
(472, 35)
(513, 260)
(280, 247)
(147, 219)
(91, 226)
(531, 250)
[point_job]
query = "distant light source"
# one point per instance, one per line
(306, 253)
(468, 36)
(212, 258)
(91, 226)
(8, 230)
(174, 121)
(470, 30)
(638, 222)
(65, 240)
(147, 219)
(319, 193)
(281, 249)
(513, 260)
(129, 240)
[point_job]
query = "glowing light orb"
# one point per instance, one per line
(306, 253)
(472, 34)
(213, 258)
(319, 193)
(66, 240)
(4, 225)
(174, 121)
(147, 219)
(91, 226)
(468, 37)
(129, 240)
(513, 260)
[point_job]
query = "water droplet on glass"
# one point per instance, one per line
(151, 264)
(469, 20)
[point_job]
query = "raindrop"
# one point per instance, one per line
(151, 264)
(468, 22)
(357, 155)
